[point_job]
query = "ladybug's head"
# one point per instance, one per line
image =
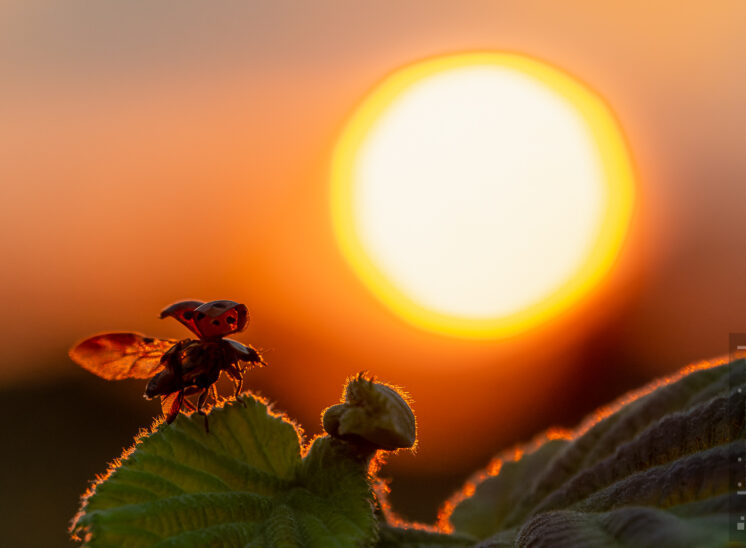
(220, 318)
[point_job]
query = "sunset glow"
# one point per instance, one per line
(481, 194)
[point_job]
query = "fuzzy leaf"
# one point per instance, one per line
(654, 470)
(481, 515)
(243, 484)
(627, 526)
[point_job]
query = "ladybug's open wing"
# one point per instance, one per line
(116, 356)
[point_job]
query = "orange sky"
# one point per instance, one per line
(183, 155)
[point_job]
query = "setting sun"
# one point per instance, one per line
(481, 194)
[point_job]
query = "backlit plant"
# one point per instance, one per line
(653, 469)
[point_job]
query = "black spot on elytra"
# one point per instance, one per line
(147, 340)
(230, 320)
(188, 315)
(215, 322)
(200, 315)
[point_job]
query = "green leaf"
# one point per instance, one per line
(629, 526)
(484, 514)
(655, 469)
(244, 483)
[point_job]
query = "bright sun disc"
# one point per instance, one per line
(481, 194)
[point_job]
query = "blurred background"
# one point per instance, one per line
(155, 152)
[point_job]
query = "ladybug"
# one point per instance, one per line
(176, 368)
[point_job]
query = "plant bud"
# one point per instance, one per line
(373, 412)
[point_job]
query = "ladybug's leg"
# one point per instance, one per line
(190, 391)
(171, 404)
(239, 384)
(235, 372)
(200, 403)
(214, 392)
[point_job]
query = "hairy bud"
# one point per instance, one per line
(374, 413)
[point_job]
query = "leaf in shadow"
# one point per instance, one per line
(246, 483)
(655, 469)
